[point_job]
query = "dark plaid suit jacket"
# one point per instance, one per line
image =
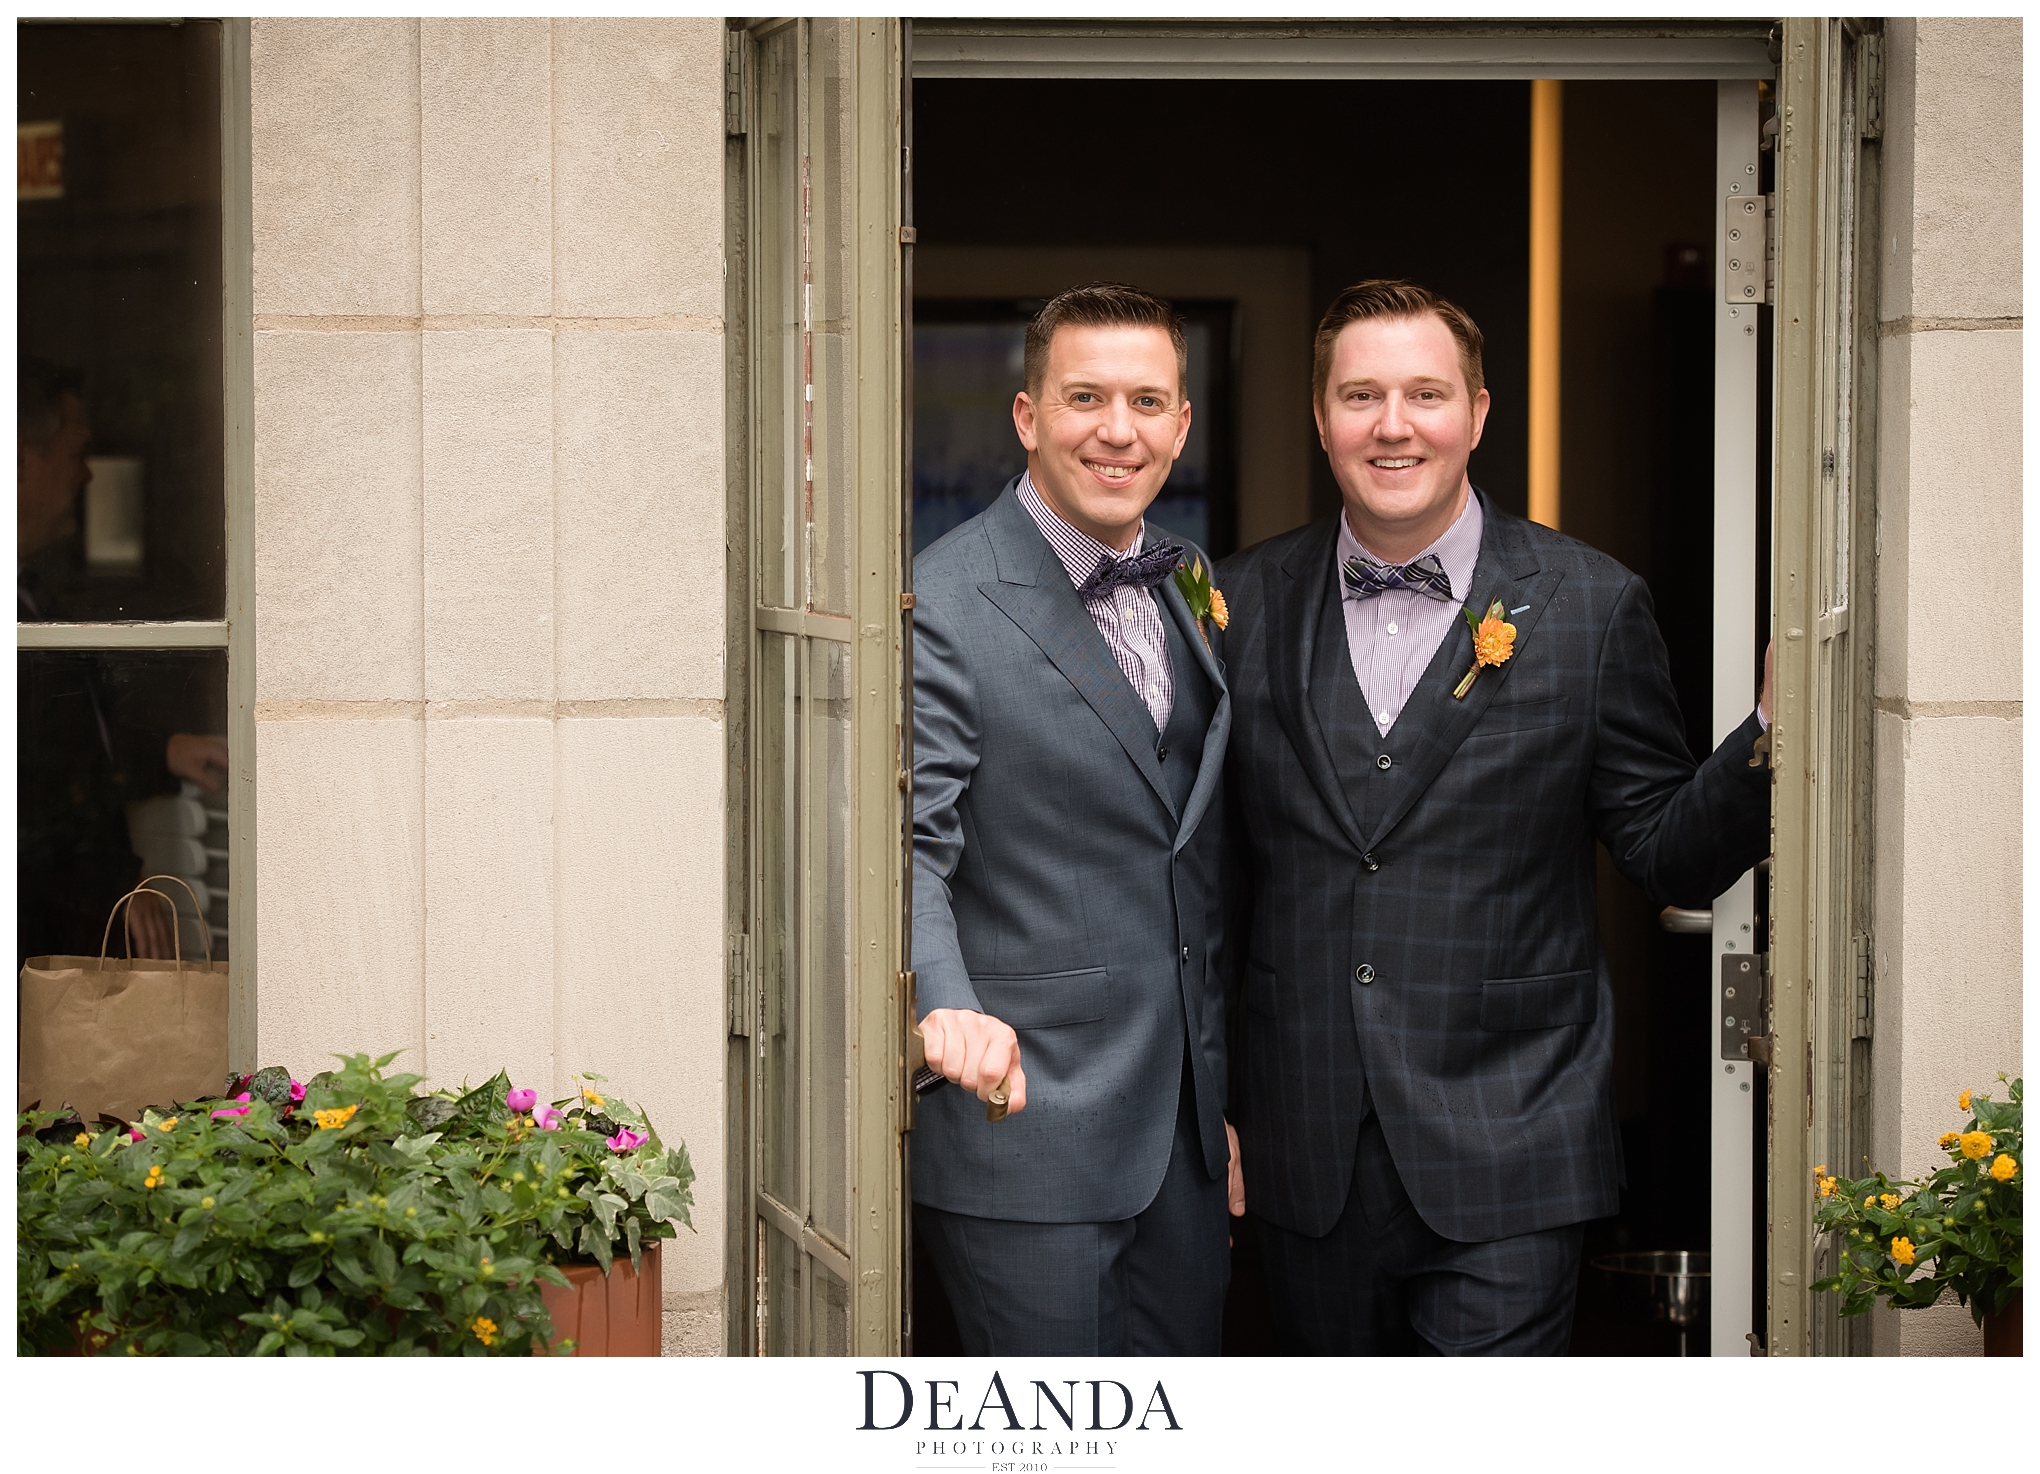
(1442, 957)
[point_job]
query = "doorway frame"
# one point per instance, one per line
(1826, 75)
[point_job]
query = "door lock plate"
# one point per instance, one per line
(1740, 1006)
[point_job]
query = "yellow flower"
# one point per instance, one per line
(1820, 1171)
(1976, 1145)
(2003, 1168)
(1889, 1200)
(592, 1098)
(205, 1202)
(1871, 1201)
(1950, 1140)
(1494, 642)
(1828, 1186)
(1902, 1249)
(1962, 1101)
(154, 1179)
(1220, 615)
(81, 1139)
(484, 1329)
(333, 1120)
(169, 1125)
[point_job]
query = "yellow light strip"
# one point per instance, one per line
(1547, 202)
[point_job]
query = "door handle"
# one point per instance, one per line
(1686, 922)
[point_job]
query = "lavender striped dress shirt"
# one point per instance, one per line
(1129, 619)
(1392, 636)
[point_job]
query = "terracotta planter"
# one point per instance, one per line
(613, 1315)
(2004, 1333)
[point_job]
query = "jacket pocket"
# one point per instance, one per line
(1259, 993)
(1510, 1004)
(1047, 1000)
(1523, 716)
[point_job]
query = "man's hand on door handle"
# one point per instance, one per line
(976, 1051)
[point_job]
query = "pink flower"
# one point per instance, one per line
(240, 1110)
(547, 1118)
(134, 1136)
(297, 1091)
(521, 1101)
(626, 1140)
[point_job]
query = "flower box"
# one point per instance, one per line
(617, 1314)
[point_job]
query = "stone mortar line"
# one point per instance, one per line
(452, 322)
(1898, 327)
(704, 708)
(1899, 706)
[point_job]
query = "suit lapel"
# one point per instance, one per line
(1432, 724)
(1297, 590)
(1034, 591)
(1213, 761)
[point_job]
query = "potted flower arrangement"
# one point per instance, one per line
(1960, 1229)
(348, 1213)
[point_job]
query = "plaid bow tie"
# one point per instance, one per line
(1426, 576)
(1143, 571)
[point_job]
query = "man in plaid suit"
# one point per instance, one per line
(1438, 709)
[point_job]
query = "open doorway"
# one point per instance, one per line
(1259, 201)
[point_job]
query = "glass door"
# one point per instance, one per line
(818, 974)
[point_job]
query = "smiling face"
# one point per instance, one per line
(1398, 424)
(1105, 425)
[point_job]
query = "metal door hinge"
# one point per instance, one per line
(1749, 249)
(1864, 1011)
(909, 235)
(733, 84)
(1870, 81)
(743, 988)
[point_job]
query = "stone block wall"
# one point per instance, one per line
(1949, 726)
(489, 520)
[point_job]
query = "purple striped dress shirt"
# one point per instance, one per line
(1129, 619)
(1392, 636)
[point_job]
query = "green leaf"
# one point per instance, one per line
(305, 1271)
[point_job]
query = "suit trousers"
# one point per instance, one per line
(1150, 1285)
(1381, 1283)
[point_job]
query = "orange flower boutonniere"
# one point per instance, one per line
(1207, 604)
(1494, 641)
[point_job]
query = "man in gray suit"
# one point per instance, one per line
(1069, 734)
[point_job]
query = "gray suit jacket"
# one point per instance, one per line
(1058, 885)
(1418, 924)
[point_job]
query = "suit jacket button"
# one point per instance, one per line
(1364, 974)
(1384, 762)
(1186, 954)
(1370, 862)
(1161, 754)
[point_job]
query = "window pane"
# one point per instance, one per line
(99, 805)
(830, 944)
(121, 420)
(781, 377)
(783, 1264)
(779, 901)
(832, 195)
(828, 1313)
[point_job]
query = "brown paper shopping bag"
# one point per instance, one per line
(111, 1035)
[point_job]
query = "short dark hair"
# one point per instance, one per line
(1104, 304)
(1369, 301)
(39, 390)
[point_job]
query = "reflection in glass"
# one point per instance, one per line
(781, 377)
(783, 1265)
(120, 417)
(828, 1313)
(830, 134)
(779, 901)
(119, 775)
(829, 933)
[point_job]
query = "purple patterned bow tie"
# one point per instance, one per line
(1427, 576)
(1142, 571)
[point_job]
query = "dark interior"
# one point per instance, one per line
(1430, 181)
